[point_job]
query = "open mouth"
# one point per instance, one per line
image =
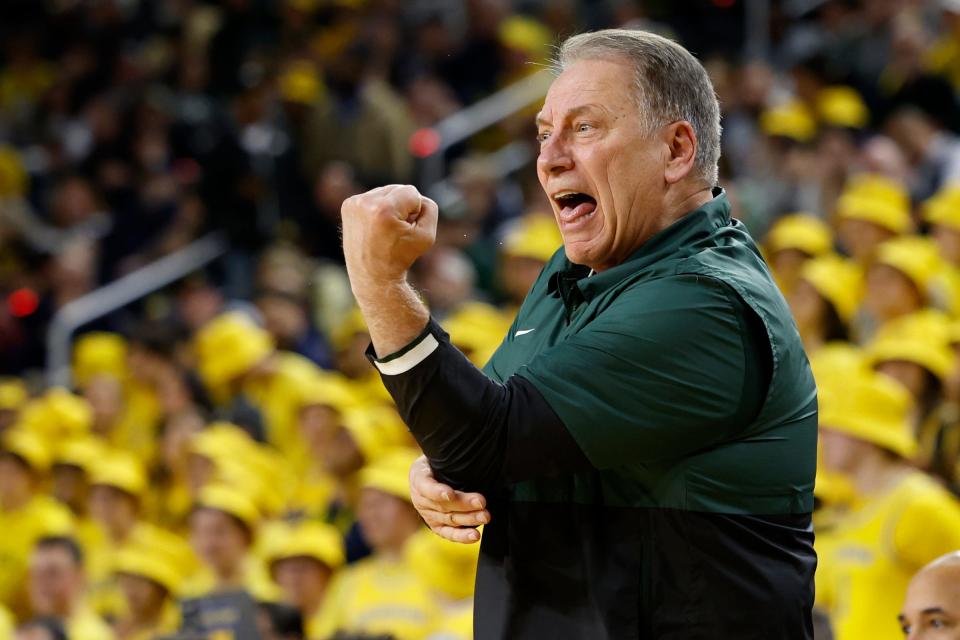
(574, 205)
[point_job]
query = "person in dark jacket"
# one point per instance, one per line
(642, 445)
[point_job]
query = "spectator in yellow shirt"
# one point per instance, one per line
(381, 594)
(149, 581)
(302, 559)
(26, 515)
(931, 610)
(56, 587)
(902, 520)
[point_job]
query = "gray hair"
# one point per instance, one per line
(671, 85)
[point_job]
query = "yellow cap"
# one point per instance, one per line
(803, 231)
(447, 567)
(533, 236)
(229, 500)
(27, 446)
(316, 540)
(13, 175)
(789, 120)
(229, 346)
(218, 440)
(842, 106)
(375, 430)
(58, 414)
(350, 325)
(390, 473)
(332, 390)
(82, 451)
(526, 35)
(837, 361)
(916, 257)
(476, 327)
(99, 353)
(943, 207)
(922, 338)
(876, 199)
(120, 470)
(146, 563)
(873, 408)
(838, 280)
(13, 393)
(300, 83)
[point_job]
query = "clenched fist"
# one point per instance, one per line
(384, 231)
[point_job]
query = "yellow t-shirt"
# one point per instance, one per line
(455, 623)
(6, 624)
(378, 595)
(86, 625)
(866, 562)
(136, 430)
(41, 516)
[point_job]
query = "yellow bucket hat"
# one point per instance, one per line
(27, 446)
(526, 35)
(332, 390)
(876, 199)
(99, 353)
(476, 326)
(837, 361)
(803, 231)
(922, 338)
(943, 207)
(300, 83)
(916, 257)
(375, 430)
(390, 473)
(13, 176)
(13, 393)
(229, 500)
(447, 567)
(533, 236)
(120, 470)
(146, 563)
(350, 325)
(316, 540)
(873, 408)
(83, 451)
(842, 106)
(789, 120)
(229, 346)
(838, 280)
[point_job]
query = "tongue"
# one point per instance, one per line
(569, 214)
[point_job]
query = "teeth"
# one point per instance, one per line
(565, 194)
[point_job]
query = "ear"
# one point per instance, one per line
(681, 144)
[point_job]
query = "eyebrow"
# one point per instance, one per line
(539, 120)
(933, 610)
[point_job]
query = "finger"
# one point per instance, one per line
(446, 518)
(406, 201)
(457, 501)
(457, 534)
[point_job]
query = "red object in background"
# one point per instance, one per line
(424, 142)
(724, 4)
(23, 302)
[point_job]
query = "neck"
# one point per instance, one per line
(875, 473)
(231, 576)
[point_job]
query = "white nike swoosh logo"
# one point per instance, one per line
(522, 332)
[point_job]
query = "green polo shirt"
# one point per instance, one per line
(653, 367)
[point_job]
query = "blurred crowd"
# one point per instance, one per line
(228, 433)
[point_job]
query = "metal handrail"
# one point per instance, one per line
(459, 126)
(120, 293)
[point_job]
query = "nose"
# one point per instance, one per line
(554, 156)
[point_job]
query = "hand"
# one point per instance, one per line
(384, 231)
(453, 515)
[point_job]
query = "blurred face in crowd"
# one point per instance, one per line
(842, 452)
(386, 520)
(55, 582)
(145, 598)
(200, 470)
(605, 176)
(16, 481)
(948, 240)
(342, 457)
(70, 486)
(303, 581)
(931, 610)
(910, 374)
(351, 360)
(219, 539)
(517, 275)
(787, 264)
(808, 306)
(105, 395)
(175, 442)
(890, 294)
(285, 318)
(114, 509)
(318, 425)
(860, 238)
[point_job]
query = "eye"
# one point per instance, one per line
(542, 136)
(583, 127)
(938, 623)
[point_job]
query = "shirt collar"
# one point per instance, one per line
(573, 286)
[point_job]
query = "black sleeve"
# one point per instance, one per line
(477, 433)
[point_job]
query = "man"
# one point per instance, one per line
(931, 610)
(56, 587)
(646, 432)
